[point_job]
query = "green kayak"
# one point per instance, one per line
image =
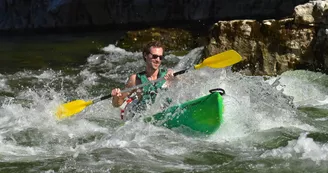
(202, 115)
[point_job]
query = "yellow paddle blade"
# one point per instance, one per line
(68, 109)
(220, 60)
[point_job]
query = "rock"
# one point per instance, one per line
(269, 47)
(313, 12)
(175, 40)
(303, 14)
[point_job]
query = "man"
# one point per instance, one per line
(152, 55)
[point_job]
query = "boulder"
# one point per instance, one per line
(175, 40)
(271, 47)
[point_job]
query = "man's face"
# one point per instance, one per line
(154, 58)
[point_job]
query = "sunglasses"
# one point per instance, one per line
(156, 56)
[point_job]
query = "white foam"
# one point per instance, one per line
(113, 48)
(48, 74)
(302, 148)
(4, 85)
(307, 88)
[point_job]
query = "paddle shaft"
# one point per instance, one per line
(138, 86)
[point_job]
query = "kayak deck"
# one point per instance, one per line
(204, 114)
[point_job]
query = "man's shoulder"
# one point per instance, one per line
(141, 73)
(133, 76)
(134, 80)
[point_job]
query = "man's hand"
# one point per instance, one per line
(116, 92)
(169, 75)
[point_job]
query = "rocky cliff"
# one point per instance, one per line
(270, 47)
(57, 14)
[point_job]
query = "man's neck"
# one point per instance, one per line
(151, 73)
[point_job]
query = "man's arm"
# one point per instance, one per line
(118, 97)
(169, 77)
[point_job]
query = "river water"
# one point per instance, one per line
(271, 124)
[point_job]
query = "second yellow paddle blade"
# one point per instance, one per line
(221, 60)
(68, 109)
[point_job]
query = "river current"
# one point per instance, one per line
(271, 124)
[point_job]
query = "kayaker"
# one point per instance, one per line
(153, 56)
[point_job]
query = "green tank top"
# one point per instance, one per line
(149, 92)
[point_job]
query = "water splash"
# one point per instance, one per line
(302, 148)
